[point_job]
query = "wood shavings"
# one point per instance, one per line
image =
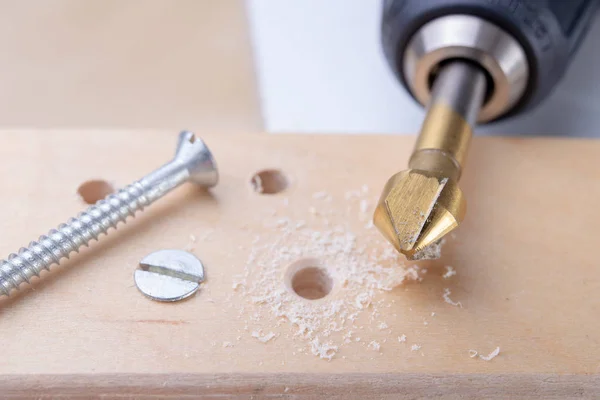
(227, 344)
(450, 272)
(257, 184)
(490, 356)
(414, 273)
(263, 338)
(472, 353)
(448, 300)
(402, 339)
(362, 301)
(323, 350)
(415, 347)
(382, 326)
(360, 262)
(431, 252)
(374, 345)
(236, 285)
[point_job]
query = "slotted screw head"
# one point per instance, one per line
(169, 275)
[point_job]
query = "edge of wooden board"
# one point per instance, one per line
(357, 385)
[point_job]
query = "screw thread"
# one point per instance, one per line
(59, 243)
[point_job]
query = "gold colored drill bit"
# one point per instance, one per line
(422, 204)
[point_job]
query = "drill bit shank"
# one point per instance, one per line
(419, 206)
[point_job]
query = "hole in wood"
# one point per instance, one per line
(269, 181)
(309, 279)
(94, 190)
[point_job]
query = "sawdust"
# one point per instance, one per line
(263, 338)
(448, 300)
(256, 183)
(323, 350)
(490, 356)
(374, 345)
(450, 272)
(431, 252)
(360, 262)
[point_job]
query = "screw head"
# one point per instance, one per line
(169, 275)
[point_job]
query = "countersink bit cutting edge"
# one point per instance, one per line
(422, 204)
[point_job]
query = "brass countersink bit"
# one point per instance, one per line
(422, 204)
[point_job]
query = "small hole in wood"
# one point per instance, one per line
(94, 190)
(309, 279)
(269, 181)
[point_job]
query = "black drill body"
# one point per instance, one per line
(549, 32)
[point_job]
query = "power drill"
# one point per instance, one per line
(468, 62)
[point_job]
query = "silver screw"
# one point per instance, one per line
(169, 275)
(192, 162)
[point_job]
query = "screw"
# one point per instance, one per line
(192, 162)
(169, 275)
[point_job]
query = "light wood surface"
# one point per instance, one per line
(525, 257)
(127, 63)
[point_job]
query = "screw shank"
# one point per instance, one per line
(164, 179)
(59, 243)
(458, 95)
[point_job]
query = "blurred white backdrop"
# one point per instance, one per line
(320, 68)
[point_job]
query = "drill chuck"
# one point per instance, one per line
(465, 37)
(523, 46)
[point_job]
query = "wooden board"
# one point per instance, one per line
(525, 261)
(127, 63)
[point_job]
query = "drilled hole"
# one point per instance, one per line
(308, 279)
(94, 190)
(269, 181)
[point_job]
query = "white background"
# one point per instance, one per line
(320, 68)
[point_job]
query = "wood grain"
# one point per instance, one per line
(526, 262)
(127, 63)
